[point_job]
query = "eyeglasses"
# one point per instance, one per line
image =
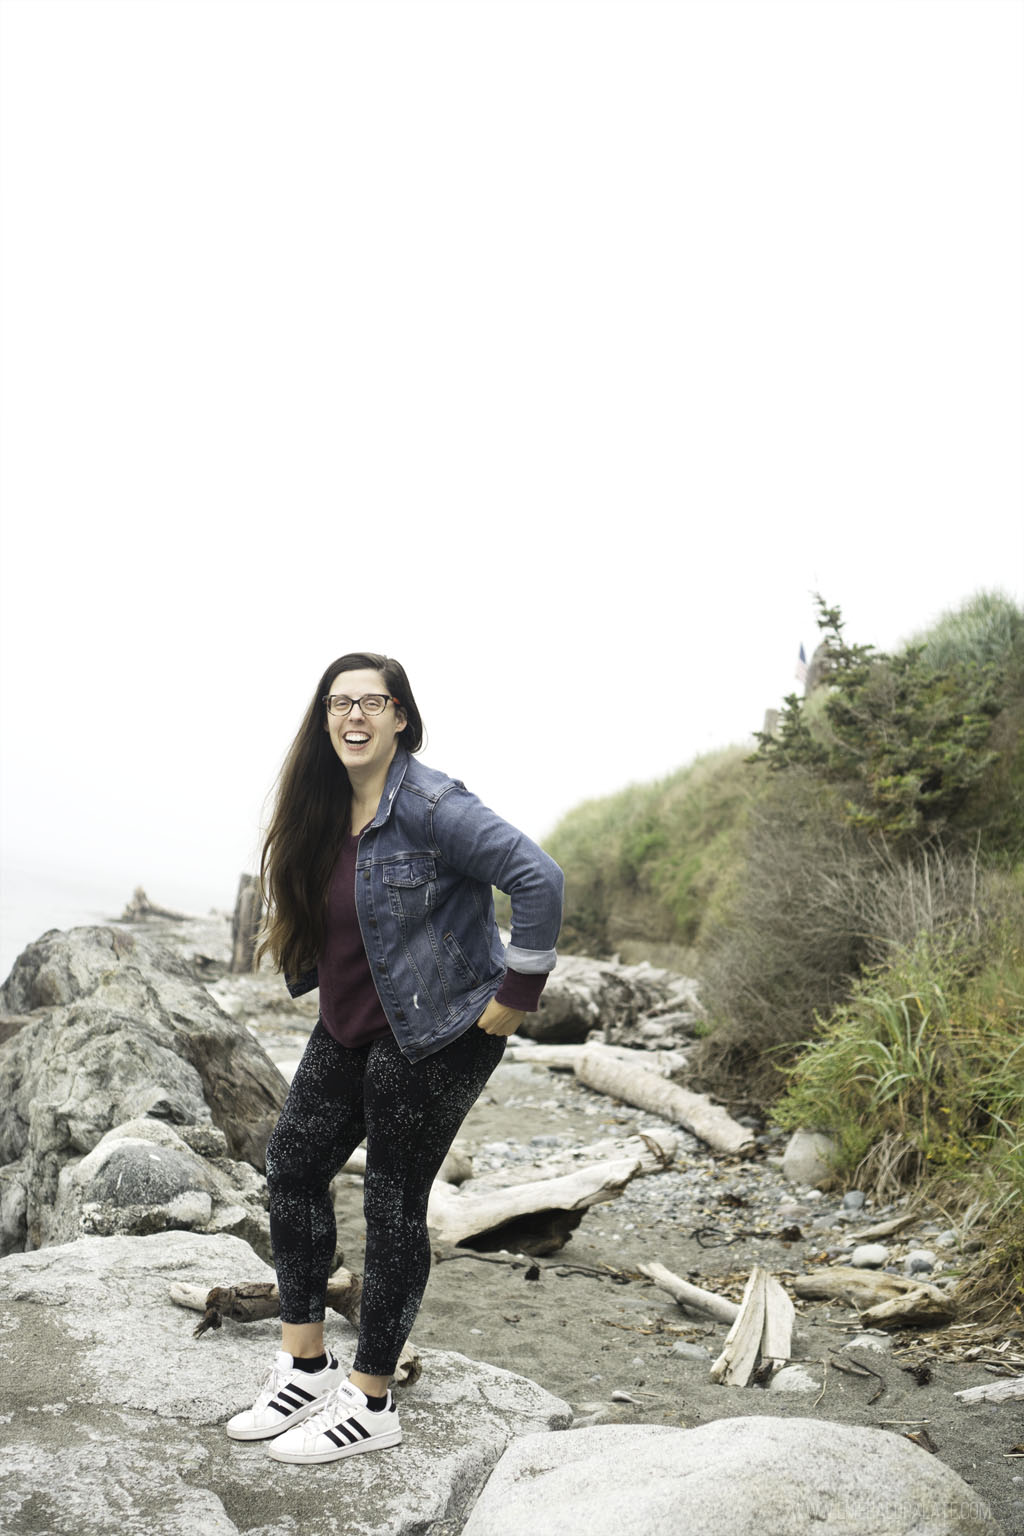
(370, 703)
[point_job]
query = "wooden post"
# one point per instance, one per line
(245, 925)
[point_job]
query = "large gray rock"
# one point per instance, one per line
(626, 1004)
(143, 1177)
(732, 1477)
(115, 1412)
(120, 1029)
(808, 1159)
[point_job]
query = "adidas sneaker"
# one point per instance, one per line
(343, 1426)
(286, 1398)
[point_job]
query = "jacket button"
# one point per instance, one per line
(366, 874)
(399, 1014)
(382, 968)
(373, 922)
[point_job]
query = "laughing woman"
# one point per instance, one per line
(377, 874)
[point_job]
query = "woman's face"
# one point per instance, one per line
(364, 743)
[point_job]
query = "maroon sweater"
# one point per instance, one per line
(349, 1004)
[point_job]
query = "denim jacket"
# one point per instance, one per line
(424, 870)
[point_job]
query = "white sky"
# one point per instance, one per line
(559, 349)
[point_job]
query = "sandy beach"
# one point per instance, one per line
(586, 1325)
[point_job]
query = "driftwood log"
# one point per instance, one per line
(563, 1058)
(993, 1391)
(883, 1301)
(690, 1297)
(456, 1168)
(257, 1299)
(761, 1334)
(651, 1150)
(634, 1084)
(140, 907)
(454, 1216)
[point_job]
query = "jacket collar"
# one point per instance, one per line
(396, 773)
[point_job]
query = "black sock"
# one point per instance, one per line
(376, 1404)
(310, 1363)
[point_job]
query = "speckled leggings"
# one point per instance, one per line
(409, 1113)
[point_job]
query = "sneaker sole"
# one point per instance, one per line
(310, 1458)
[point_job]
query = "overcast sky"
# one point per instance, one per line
(561, 350)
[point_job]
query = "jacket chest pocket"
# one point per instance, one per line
(411, 885)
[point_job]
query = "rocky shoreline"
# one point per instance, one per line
(606, 1348)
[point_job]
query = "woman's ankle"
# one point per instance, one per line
(369, 1386)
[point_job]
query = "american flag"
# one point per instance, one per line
(801, 666)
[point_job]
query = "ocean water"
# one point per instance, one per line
(34, 900)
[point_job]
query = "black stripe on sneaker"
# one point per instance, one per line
(355, 1424)
(289, 1393)
(344, 1430)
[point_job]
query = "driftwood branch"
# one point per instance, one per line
(883, 1301)
(258, 1299)
(633, 1084)
(690, 1297)
(884, 1228)
(993, 1391)
(762, 1330)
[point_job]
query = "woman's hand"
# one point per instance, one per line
(496, 1019)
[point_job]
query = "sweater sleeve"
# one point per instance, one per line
(521, 992)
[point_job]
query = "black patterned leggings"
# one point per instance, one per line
(409, 1113)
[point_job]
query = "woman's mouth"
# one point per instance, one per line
(355, 738)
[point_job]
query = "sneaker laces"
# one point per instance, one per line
(330, 1410)
(326, 1414)
(275, 1378)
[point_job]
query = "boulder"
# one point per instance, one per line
(732, 1477)
(116, 1412)
(636, 1005)
(807, 1159)
(145, 1177)
(119, 1029)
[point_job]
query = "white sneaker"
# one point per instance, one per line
(285, 1398)
(343, 1426)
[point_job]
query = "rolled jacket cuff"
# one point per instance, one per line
(531, 962)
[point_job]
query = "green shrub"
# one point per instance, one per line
(908, 740)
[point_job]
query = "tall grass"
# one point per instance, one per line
(646, 866)
(919, 1076)
(983, 631)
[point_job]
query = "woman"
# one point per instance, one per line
(377, 873)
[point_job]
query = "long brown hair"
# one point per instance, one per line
(311, 812)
